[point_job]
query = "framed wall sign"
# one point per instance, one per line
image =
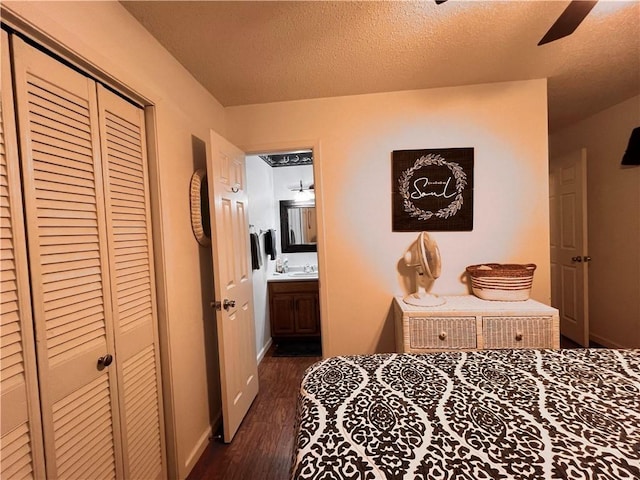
(432, 190)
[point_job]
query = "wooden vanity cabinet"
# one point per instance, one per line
(293, 309)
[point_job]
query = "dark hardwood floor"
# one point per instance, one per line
(568, 343)
(263, 446)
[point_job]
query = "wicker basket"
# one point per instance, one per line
(502, 282)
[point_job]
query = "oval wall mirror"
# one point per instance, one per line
(200, 219)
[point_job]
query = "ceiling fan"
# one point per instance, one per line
(567, 22)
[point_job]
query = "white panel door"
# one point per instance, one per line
(21, 450)
(133, 287)
(569, 258)
(65, 219)
(232, 282)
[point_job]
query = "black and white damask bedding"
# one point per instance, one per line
(503, 414)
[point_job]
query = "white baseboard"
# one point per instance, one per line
(605, 342)
(202, 443)
(204, 439)
(264, 351)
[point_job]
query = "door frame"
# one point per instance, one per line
(315, 146)
(556, 282)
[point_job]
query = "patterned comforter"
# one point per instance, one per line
(504, 414)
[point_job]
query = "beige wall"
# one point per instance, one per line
(106, 36)
(506, 123)
(613, 215)
(262, 215)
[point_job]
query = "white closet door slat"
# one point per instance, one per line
(21, 447)
(131, 260)
(75, 418)
(46, 154)
(123, 165)
(65, 219)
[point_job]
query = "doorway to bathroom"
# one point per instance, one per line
(284, 236)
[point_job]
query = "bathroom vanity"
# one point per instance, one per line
(294, 307)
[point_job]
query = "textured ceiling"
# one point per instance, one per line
(258, 52)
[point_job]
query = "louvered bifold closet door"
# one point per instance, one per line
(132, 282)
(21, 453)
(65, 219)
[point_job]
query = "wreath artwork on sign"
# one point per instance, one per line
(433, 190)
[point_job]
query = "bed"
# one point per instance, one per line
(499, 414)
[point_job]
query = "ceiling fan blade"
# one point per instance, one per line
(438, 2)
(568, 21)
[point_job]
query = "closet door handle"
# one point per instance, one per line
(105, 361)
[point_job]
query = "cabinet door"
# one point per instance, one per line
(306, 318)
(282, 314)
(68, 261)
(132, 283)
(21, 451)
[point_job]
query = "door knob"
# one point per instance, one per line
(577, 259)
(105, 361)
(587, 258)
(226, 304)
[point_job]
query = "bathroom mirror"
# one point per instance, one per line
(298, 226)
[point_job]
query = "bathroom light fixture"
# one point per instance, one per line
(303, 193)
(301, 188)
